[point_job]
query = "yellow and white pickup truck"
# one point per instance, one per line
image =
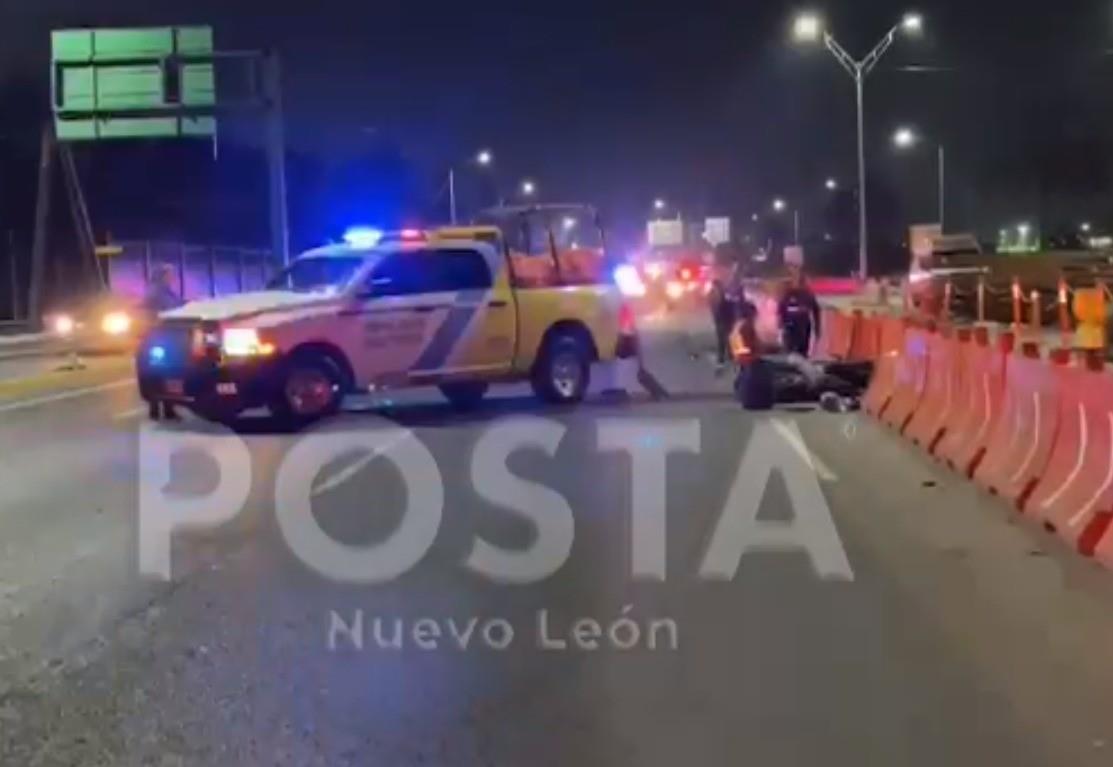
(442, 308)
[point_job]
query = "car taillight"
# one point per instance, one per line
(626, 324)
(686, 274)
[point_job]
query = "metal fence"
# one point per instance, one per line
(201, 270)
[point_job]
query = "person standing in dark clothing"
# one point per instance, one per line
(161, 297)
(798, 311)
(723, 316)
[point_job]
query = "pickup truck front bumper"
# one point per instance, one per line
(170, 369)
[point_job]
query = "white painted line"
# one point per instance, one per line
(1083, 446)
(1076, 520)
(983, 430)
(127, 415)
(342, 476)
(792, 436)
(1035, 439)
(47, 399)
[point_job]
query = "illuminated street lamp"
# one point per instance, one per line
(912, 23)
(831, 184)
(529, 189)
(1086, 227)
(906, 138)
(809, 28)
(780, 206)
(483, 159)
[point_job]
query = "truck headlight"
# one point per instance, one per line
(64, 325)
(116, 323)
(244, 342)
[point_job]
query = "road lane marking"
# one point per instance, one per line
(127, 415)
(342, 476)
(796, 442)
(48, 399)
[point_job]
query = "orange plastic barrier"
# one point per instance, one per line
(838, 332)
(1078, 481)
(1022, 439)
(865, 344)
(979, 401)
(881, 386)
(910, 379)
(925, 428)
(823, 343)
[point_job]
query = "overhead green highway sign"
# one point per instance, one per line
(133, 83)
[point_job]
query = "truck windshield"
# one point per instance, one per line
(309, 275)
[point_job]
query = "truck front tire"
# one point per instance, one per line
(563, 371)
(310, 387)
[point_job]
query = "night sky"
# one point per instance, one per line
(707, 104)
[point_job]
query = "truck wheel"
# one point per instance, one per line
(464, 395)
(563, 372)
(310, 387)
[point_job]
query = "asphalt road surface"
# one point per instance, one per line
(965, 636)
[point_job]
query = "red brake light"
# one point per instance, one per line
(626, 325)
(686, 274)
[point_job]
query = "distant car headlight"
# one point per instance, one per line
(64, 325)
(116, 323)
(628, 281)
(244, 342)
(674, 290)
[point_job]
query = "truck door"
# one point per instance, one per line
(388, 323)
(476, 319)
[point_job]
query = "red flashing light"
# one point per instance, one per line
(411, 234)
(686, 274)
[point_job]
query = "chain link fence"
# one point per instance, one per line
(202, 271)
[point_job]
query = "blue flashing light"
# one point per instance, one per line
(363, 236)
(157, 354)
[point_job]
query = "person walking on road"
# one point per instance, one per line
(161, 297)
(798, 311)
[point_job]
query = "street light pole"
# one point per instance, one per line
(905, 138)
(942, 188)
(863, 224)
(452, 195)
(808, 28)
